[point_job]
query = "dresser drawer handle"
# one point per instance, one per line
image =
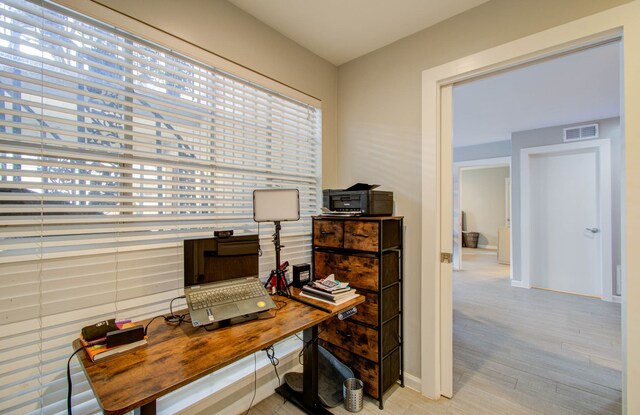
(360, 235)
(343, 334)
(345, 269)
(327, 233)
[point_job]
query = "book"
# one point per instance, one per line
(97, 349)
(324, 300)
(100, 351)
(338, 291)
(330, 283)
(323, 294)
(315, 289)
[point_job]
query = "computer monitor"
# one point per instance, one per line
(216, 259)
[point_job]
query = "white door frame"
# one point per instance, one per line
(446, 236)
(604, 195)
(458, 166)
(571, 36)
(507, 202)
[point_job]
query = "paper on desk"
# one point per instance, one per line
(330, 283)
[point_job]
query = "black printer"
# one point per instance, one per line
(359, 199)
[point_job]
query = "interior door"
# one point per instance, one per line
(565, 228)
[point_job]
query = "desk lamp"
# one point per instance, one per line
(277, 205)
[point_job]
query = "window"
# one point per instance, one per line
(112, 151)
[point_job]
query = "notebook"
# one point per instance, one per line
(224, 300)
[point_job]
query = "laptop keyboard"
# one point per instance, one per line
(221, 295)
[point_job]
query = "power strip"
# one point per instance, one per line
(347, 313)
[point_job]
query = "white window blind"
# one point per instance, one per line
(112, 151)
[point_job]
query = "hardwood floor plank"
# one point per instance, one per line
(516, 351)
(557, 368)
(591, 401)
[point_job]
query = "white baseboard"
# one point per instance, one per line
(518, 284)
(412, 382)
(415, 383)
(616, 299)
(491, 247)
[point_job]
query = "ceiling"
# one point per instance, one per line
(575, 88)
(342, 30)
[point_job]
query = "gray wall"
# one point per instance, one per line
(380, 113)
(482, 151)
(609, 128)
(482, 199)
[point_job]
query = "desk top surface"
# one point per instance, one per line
(179, 354)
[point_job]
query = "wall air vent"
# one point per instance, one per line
(580, 132)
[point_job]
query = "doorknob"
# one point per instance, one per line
(593, 230)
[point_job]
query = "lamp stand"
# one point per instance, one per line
(277, 277)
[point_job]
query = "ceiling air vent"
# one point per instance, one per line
(581, 132)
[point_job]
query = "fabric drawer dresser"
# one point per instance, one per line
(366, 252)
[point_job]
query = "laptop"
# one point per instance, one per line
(224, 300)
(221, 279)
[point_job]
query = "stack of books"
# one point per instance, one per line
(329, 291)
(94, 339)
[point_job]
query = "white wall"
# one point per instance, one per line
(379, 112)
(482, 199)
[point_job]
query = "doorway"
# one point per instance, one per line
(458, 228)
(441, 89)
(537, 169)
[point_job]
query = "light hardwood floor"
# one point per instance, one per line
(516, 351)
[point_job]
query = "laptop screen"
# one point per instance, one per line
(218, 259)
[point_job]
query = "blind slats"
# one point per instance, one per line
(273, 147)
(217, 120)
(225, 105)
(203, 76)
(249, 169)
(112, 152)
(245, 139)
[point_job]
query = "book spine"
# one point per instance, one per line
(336, 302)
(317, 298)
(318, 293)
(324, 290)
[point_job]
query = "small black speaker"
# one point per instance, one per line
(125, 336)
(301, 275)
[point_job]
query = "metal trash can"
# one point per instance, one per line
(352, 390)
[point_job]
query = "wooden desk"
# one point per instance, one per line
(176, 355)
